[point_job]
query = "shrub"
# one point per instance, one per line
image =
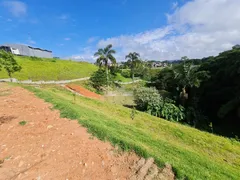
(99, 79)
(145, 97)
(126, 73)
(149, 100)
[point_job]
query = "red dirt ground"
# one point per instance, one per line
(50, 147)
(84, 91)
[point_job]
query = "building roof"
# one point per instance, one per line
(23, 45)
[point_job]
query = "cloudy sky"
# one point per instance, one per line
(157, 29)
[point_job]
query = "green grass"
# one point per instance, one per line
(120, 78)
(50, 69)
(192, 153)
(23, 123)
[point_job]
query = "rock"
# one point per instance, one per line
(49, 127)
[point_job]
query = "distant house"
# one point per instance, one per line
(159, 64)
(24, 50)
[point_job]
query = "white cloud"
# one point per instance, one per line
(86, 54)
(16, 8)
(197, 29)
(67, 39)
(92, 39)
(174, 5)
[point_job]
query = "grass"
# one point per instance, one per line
(23, 123)
(120, 78)
(192, 153)
(50, 69)
(122, 100)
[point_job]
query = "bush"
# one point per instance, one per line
(99, 79)
(149, 100)
(145, 97)
(126, 73)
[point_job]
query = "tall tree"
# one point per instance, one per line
(105, 57)
(188, 76)
(133, 60)
(8, 62)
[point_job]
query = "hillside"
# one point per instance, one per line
(192, 153)
(50, 69)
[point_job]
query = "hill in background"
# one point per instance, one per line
(50, 69)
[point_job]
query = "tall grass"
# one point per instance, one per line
(192, 153)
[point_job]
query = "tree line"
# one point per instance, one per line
(202, 93)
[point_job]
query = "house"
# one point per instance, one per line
(25, 50)
(159, 64)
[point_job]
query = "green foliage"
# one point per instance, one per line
(23, 123)
(189, 75)
(119, 77)
(126, 73)
(99, 79)
(219, 95)
(145, 97)
(192, 153)
(171, 112)
(149, 100)
(8, 62)
(38, 69)
(133, 62)
(104, 58)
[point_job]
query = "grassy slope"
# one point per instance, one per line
(193, 154)
(47, 69)
(120, 78)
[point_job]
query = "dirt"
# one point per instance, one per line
(50, 147)
(84, 91)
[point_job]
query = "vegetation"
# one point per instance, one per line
(99, 79)
(192, 153)
(8, 62)
(38, 69)
(104, 58)
(133, 61)
(208, 89)
(23, 123)
(149, 100)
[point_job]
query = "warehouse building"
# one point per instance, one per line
(25, 50)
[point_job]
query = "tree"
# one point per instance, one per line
(8, 62)
(133, 61)
(98, 79)
(188, 76)
(104, 57)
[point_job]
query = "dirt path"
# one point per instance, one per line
(84, 92)
(50, 147)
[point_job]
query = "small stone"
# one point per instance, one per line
(103, 163)
(49, 126)
(85, 164)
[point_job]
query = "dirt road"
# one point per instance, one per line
(50, 147)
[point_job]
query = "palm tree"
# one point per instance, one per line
(133, 61)
(188, 75)
(105, 57)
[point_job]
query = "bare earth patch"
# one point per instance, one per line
(50, 147)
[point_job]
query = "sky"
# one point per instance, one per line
(156, 29)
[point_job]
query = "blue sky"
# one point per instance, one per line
(157, 29)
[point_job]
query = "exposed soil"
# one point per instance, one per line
(84, 91)
(50, 147)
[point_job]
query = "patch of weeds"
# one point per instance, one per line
(23, 123)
